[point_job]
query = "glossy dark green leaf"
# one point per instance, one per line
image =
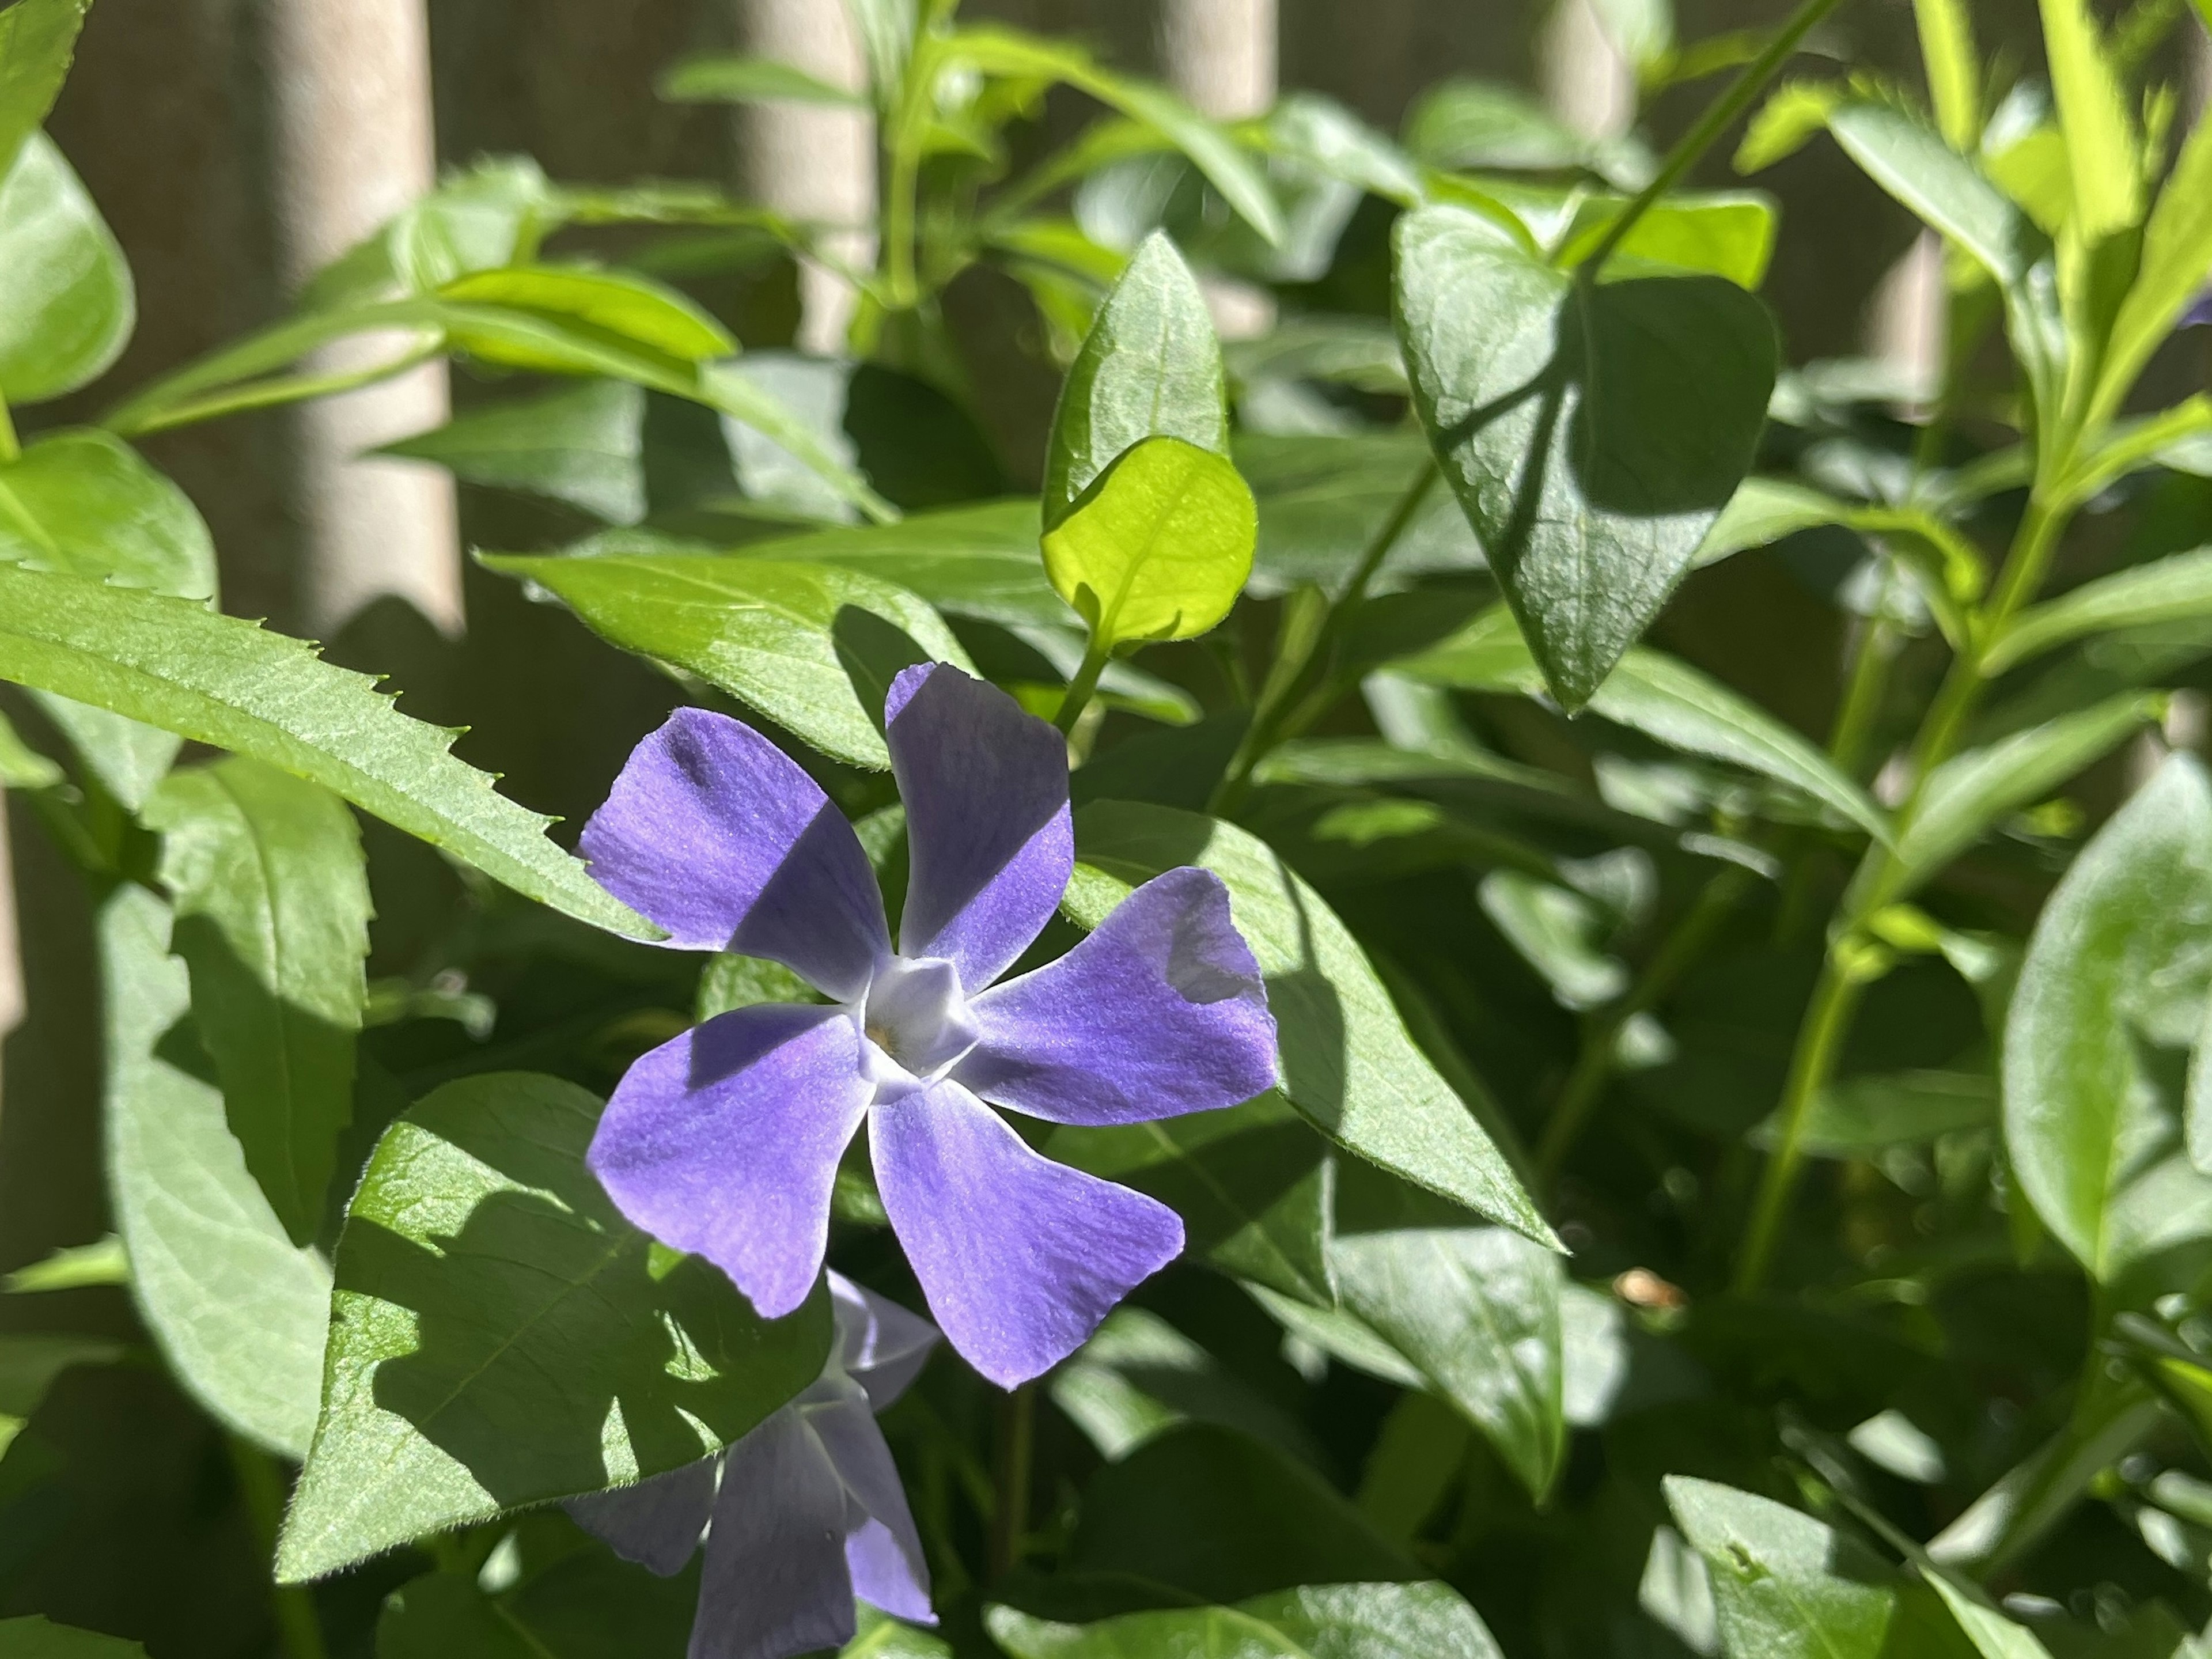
(2117, 974)
(582, 445)
(1150, 368)
(1138, 1376)
(1784, 1585)
(272, 908)
(499, 1336)
(237, 1310)
(1322, 1621)
(1593, 432)
(39, 1637)
(38, 39)
(229, 684)
(790, 640)
(1347, 1063)
(1252, 1185)
(66, 303)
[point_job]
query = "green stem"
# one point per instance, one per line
(1282, 715)
(10, 449)
(1593, 1066)
(294, 1606)
(1828, 1020)
(1010, 1512)
(1711, 126)
(1077, 697)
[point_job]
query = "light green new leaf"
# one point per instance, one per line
(1347, 1062)
(1785, 1586)
(2117, 970)
(499, 1336)
(1660, 696)
(1726, 234)
(38, 39)
(1150, 368)
(1159, 547)
(87, 504)
(627, 311)
(67, 306)
(39, 1637)
(726, 77)
(237, 1310)
(2093, 113)
(272, 898)
(1314, 1621)
(583, 444)
(229, 684)
(2170, 589)
(796, 641)
(2176, 261)
(1970, 793)
(1592, 431)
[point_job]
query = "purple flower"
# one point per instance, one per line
(725, 1143)
(2199, 315)
(808, 1512)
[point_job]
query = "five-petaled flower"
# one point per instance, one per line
(807, 1512)
(726, 1142)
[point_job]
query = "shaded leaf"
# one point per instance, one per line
(583, 444)
(1138, 1376)
(39, 1637)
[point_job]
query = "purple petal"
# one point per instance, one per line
(881, 1344)
(989, 842)
(776, 1582)
(884, 1550)
(656, 1522)
(2199, 315)
(1159, 1012)
(719, 836)
(725, 1142)
(1020, 1257)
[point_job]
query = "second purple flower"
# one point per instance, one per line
(725, 1143)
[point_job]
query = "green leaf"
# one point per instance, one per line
(1473, 1311)
(87, 504)
(2117, 974)
(583, 444)
(2093, 113)
(499, 1336)
(729, 77)
(39, 1637)
(1252, 1186)
(1157, 547)
(788, 639)
(1150, 368)
(1765, 510)
(38, 39)
(72, 1267)
(28, 1365)
(1593, 432)
(22, 767)
(1728, 234)
(2173, 589)
(1322, 499)
(1910, 161)
(66, 303)
(1953, 68)
(2177, 255)
(1320, 1621)
(1347, 1063)
(237, 1310)
(1970, 793)
(1862, 1117)
(587, 307)
(1785, 1586)
(227, 683)
(272, 908)
(1659, 696)
(1559, 932)
(1138, 1376)
(1994, 1636)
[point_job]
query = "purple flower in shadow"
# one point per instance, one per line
(725, 1142)
(2199, 315)
(799, 1517)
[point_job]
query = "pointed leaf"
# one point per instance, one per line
(499, 1336)
(1593, 432)
(2093, 113)
(582, 445)
(38, 39)
(2173, 589)
(67, 306)
(36, 1637)
(1320, 1621)
(1785, 1586)
(2176, 261)
(232, 685)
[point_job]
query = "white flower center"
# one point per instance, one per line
(916, 1021)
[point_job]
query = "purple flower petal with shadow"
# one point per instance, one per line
(990, 843)
(881, 1344)
(717, 836)
(658, 1522)
(883, 1550)
(776, 1582)
(724, 1143)
(1159, 1012)
(1019, 1257)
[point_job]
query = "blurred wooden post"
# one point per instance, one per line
(350, 121)
(1221, 56)
(809, 161)
(1589, 85)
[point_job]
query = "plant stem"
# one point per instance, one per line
(1010, 1514)
(1711, 126)
(294, 1606)
(1077, 697)
(1828, 1020)
(10, 449)
(1593, 1066)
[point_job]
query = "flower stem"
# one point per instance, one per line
(1077, 697)
(1010, 1514)
(293, 1605)
(1827, 1021)
(1711, 126)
